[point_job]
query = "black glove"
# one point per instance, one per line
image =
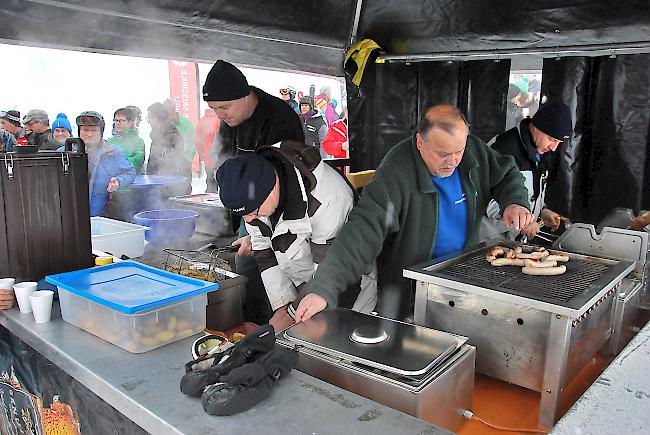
(246, 386)
(247, 349)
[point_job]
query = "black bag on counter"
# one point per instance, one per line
(247, 349)
(246, 386)
(44, 213)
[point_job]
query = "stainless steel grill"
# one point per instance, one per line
(587, 278)
(559, 289)
(533, 331)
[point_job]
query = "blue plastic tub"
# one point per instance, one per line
(167, 227)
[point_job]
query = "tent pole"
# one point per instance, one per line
(611, 49)
(355, 23)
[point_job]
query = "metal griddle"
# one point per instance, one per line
(584, 279)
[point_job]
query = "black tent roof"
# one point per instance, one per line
(312, 35)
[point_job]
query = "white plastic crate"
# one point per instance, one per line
(139, 332)
(117, 237)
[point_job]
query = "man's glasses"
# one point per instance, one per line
(117, 121)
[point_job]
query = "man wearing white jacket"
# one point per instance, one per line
(293, 205)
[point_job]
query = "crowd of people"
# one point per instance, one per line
(177, 147)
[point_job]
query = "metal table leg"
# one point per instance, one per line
(557, 349)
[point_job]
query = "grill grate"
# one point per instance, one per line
(558, 289)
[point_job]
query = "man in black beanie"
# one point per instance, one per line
(251, 118)
(532, 143)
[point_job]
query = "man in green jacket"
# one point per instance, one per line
(426, 201)
(127, 138)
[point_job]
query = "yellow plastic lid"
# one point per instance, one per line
(102, 261)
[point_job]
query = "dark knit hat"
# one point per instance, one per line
(245, 182)
(225, 83)
(554, 120)
(307, 100)
(13, 116)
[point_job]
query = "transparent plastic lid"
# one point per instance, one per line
(130, 287)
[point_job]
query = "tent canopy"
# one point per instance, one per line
(312, 35)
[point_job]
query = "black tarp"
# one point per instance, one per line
(393, 97)
(446, 25)
(251, 32)
(607, 163)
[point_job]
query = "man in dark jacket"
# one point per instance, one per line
(251, 118)
(426, 200)
(531, 143)
(40, 134)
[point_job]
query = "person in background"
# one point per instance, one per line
(108, 169)
(61, 130)
(167, 154)
(127, 139)
(328, 109)
(137, 115)
(185, 128)
(250, 118)
(206, 131)
(313, 125)
(532, 144)
(288, 94)
(514, 112)
(285, 180)
(40, 134)
(336, 143)
(425, 201)
(10, 122)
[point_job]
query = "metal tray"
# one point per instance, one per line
(408, 350)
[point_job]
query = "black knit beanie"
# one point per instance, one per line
(225, 83)
(554, 120)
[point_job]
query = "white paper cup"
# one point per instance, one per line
(41, 302)
(7, 283)
(23, 290)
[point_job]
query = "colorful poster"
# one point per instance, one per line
(183, 88)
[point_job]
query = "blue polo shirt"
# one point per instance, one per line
(452, 215)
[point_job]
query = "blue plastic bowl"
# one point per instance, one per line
(167, 227)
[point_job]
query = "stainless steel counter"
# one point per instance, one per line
(619, 400)
(145, 388)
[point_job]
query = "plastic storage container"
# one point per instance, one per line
(117, 237)
(133, 306)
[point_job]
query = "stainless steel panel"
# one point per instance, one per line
(610, 243)
(510, 339)
(588, 336)
(409, 350)
(625, 313)
(213, 219)
(439, 399)
(555, 360)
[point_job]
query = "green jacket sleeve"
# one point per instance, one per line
(506, 182)
(137, 158)
(361, 239)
